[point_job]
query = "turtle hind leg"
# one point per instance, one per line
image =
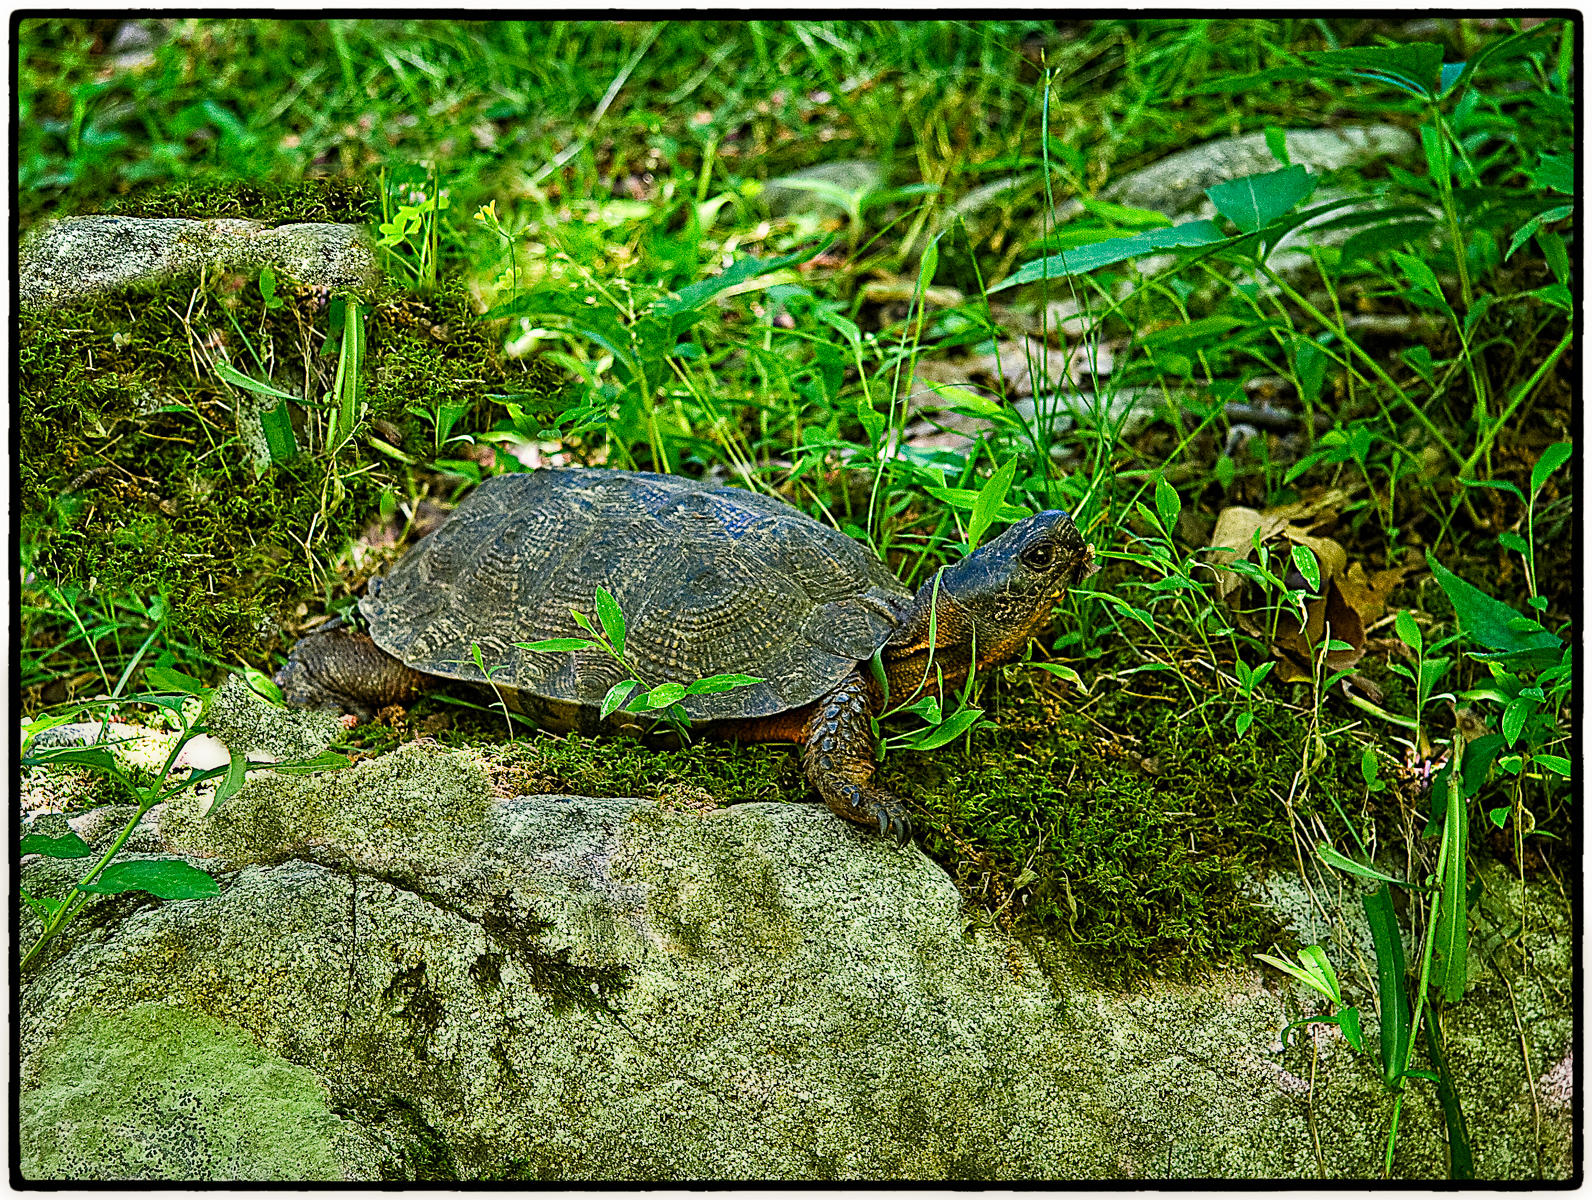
(342, 668)
(839, 760)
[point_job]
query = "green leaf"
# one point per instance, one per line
(1368, 767)
(663, 695)
(948, 730)
(73, 756)
(1452, 914)
(1525, 233)
(1554, 763)
(1314, 959)
(1555, 254)
(66, 845)
(990, 498)
(1419, 275)
(237, 773)
(1555, 172)
(1368, 243)
(1205, 330)
(1304, 976)
(1485, 620)
(1333, 859)
(1390, 974)
(616, 696)
(1243, 722)
(965, 498)
(1554, 457)
(1063, 671)
(1255, 201)
(263, 685)
(1114, 250)
(1167, 503)
(1514, 718)
(1498, 816)
(613, 621)
(164, 679)
(239, 379)
(1510, 540)
(1416, 64)
(168, 878)
(1277, 143)
(1305, 560)
(689, 298)
(721, 683)
(557, 645)
(268, 288)
(1348, 1020)
(1409, 632)
(277, 426)
(326, 760)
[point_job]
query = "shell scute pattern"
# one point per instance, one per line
(711, 581)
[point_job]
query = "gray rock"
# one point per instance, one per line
(76, 258)
(252, 726)
(1176, 184)
(407, 977)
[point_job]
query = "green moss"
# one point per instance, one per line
(135, 483)
(341, 200)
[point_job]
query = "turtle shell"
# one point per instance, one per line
(711, 581)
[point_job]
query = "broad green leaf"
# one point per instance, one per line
(1277, 143)
(1167, 503)
(948, 730)
(1510, 540)
(1421, 277)
(1114, 250)
(277, 426)
(1063, 671)
(1390, 986)
(721, 683)
(1498, 816)
(1547, 217)
(1255, 201)
(1333, 859)
(326, 760)
(263, 685)
(168, 878)
(990, 498)
(1243, 722)
(1314, 959)
(1453, 917)
(1409, 632)
(1347, 1019)
(1485, 620)
(1305, 560)
(1554, 457)
(616, 696)
(1415, 63)
(1553, 762)
(663, 695)
(613, 621)
(1368, 766)
(164, 679)
(73, 756)
(237, 773)
(66, 845)
(1306, 977)
(1555, 172)
(557, 645)
(1368, 243)
(1514, 718)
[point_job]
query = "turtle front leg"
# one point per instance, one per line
(342, 668)
(839, 760)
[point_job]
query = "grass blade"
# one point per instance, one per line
(1390, 985)
(1460, 1163)
(1452, 914)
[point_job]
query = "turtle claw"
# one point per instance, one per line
(893, 821)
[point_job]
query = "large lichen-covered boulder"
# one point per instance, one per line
(409, 976)
(75, 258)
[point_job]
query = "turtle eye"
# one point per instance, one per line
(1039, 556)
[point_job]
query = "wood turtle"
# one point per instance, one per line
(711, 580)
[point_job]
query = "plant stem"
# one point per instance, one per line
(1515, 401)
(75, 898)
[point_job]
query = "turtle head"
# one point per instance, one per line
(1001, 595)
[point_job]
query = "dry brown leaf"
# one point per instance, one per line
(1310, 508)
(1234, 539)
